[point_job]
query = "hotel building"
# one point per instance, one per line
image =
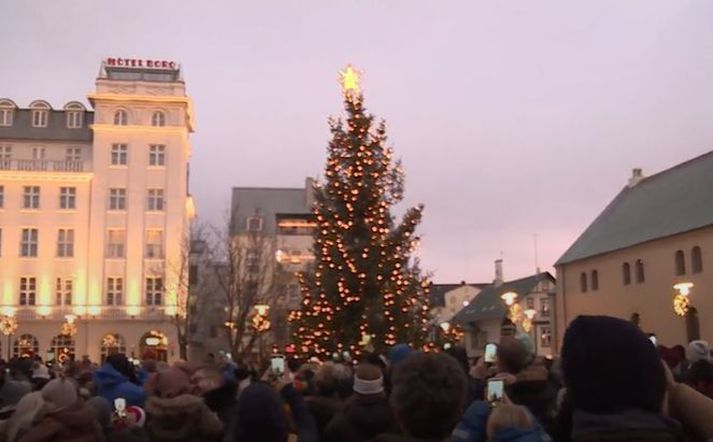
(94, 208)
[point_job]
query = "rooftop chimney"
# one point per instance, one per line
(636, 176)
(498, 273)
(309, 191)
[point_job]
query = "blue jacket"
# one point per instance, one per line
(111, 384)
(472, 427)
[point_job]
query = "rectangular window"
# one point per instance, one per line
(73, 154)
(28, 290)
(154, 288)
(157, 155)
(154, 244)
(68, 198)
(28, 245)
(5, 157)
(39, 118)
(545, 307)
(119, 154)
(155, 200)
(65, 243)
(114, 291)
(31, 197)
(254, 224)
(63, 291)
(545, 337)
(2, 197)
(530, 303)
(6, 117)
(117, 199)
(38, 153)
(251, 260)
(74, 119)
(115, 243)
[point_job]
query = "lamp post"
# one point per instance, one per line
(8, 327)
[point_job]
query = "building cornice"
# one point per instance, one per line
(166, 99)
(67, 177)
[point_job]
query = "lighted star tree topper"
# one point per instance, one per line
(365, 289)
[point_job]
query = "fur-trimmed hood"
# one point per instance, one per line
(185, 417)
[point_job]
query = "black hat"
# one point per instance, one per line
(609, 365)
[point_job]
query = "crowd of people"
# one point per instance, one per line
(610, 383)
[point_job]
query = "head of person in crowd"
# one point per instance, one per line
(514, 354)
(60, 393)
(170, 383)
(700, 377)
(459, 354)
(29, 410)
(698, 351)
(326, 379)
(428, 395)
(120, 363)
(610, 366)
(102, 411)
(398, 353)
(368, 380)
(259, 416)
(508, 419)
(40, 375)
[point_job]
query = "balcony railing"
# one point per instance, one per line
(41, 165)
(105, 312)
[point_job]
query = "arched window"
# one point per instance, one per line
(7, 112)
(121, 118)
(626, 273)
(696, 260)
(112, 343)
(26, 346)
(158, 119)
(40, 112)
(63, 348)
(583, 282)
(595, 280)
(75, 114)
(640, 276)
(680, 262)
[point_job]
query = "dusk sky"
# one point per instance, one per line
(511, 118)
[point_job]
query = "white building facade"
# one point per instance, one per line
(94, 208)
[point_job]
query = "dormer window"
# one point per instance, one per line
(158, 119)
(121, 118)
(40, 113)
(75, 115)
(7, 112)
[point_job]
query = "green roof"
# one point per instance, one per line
(677, 200)
(488, 305)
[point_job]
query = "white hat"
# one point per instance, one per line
(698, 351)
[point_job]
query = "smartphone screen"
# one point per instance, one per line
(490, 352)
(278, 364)
(494, 391)
(652, 338)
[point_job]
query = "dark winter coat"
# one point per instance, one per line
(76, 423)
(111, 384)
(323, 409)
(222, 401)
(185, 418)
(362, 419)
(631, 425)
(538, 395)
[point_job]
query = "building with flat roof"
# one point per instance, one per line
(94, 208)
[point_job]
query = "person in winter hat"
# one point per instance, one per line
(30, 410)
(427, 397)
(67, 418)
(615, 382)
(175, 413)
(698, 351)
(116, 379)
(367, 413)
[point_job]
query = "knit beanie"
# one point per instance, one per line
(61, 392)
(368, 380)
(609, 365)
(698, 351)
(398, 353)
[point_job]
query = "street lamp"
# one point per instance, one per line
(509, 298)
(8, 327)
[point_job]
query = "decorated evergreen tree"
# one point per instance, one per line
(364, 290)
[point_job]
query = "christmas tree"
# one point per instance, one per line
(365, 291)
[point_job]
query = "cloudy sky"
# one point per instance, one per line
(512, 118)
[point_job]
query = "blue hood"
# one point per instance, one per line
(107, 376)
(111, 384)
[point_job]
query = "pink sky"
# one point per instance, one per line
(512, 118)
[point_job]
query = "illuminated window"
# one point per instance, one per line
(544, 307)
(65, 243)
(116, 239)
(626, 273)
(154, 289)
(154, 244)
(640, 276)
(26, 346)
(155, 200)
(121, 118)
(31, 197)
(117, 199)
(583, 282)
(114, 291)
(595, 280)
(63, 291)
(545, 337)
(696, 258)
(157, 155)
(29, 243)
(68, 198)
(119, 154)
(680, 263)
(254, 224)
(158, 119)
(28, 290)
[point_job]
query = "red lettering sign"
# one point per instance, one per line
(141, 63)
